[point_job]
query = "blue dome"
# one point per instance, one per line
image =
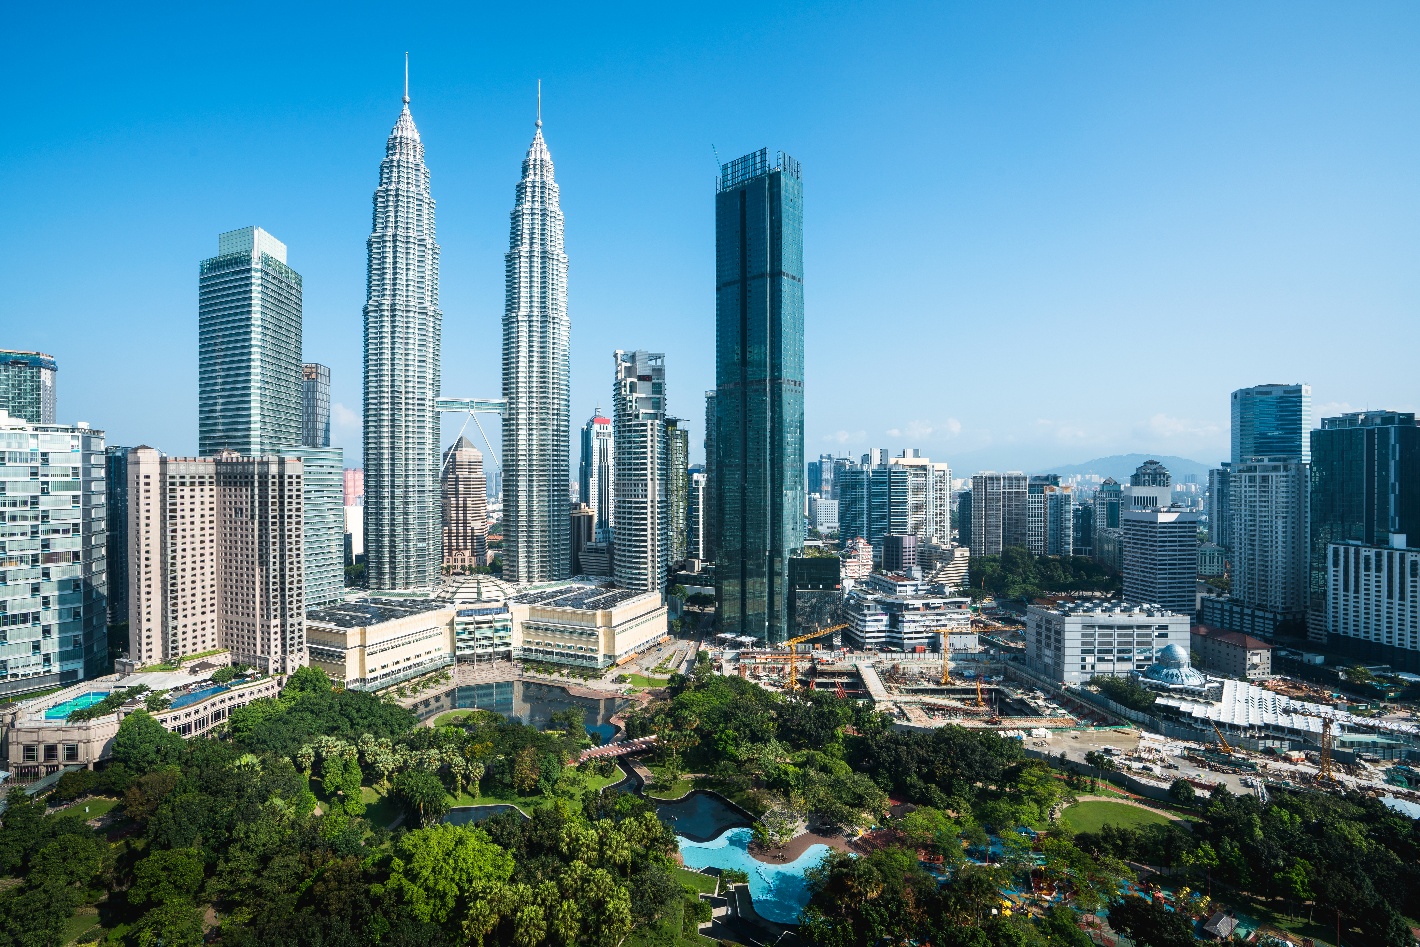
(1171, 668)
(1173, 656)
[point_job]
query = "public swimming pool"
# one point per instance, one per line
(62, 711)
(779, 891)
(700, 816)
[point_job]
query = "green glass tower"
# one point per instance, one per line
(248, 347)
(758, 481)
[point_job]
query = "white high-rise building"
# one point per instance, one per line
(536, 353)
(403, 327)
(642, 532)
(1373, 600)
(1161, 559)
(596, 480)
(1270, 507)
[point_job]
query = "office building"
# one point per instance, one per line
(710, 517)
(1150, 488)
(215, 559)
(27, 386)
(53, 575)
(823, 514)
(1232, 653)
(582, 521)
(585, 625)
(1083, 526)
(1272, 421)
(1035, 510)
(379, 642)
(536, 353)
(116, 533)
(1270, 506)
(821, 475)
(1059, 521)
(1109, 502)
(1161, 559)
(898, 616)
(403, 338)
(857, 560)
(641, 538)
(948, 566)
(323, 522)
(483, 621)
(695, 514)
(758, 468)
(899, 552)
(906, 495)
(814, 593)
(1071, 643)
(998, 512)
(464, 490)
(1212, 560)
(315, 405)
(1365, 488)
(1373, 602)
(249, 387)
(1220, 506)
(596, 474)
(677, 487)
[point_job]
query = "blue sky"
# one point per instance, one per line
(1036, 233)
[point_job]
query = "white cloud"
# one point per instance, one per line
(845, 437)
(343, 417)
(952, 426)
(1162, 425)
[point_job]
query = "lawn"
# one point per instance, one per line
(451, 718)
(704, 884)
(662, 788)
(641, 680)
(95, 808)
(379, 808)
(1092, 816)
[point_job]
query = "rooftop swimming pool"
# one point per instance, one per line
(195, 696)
(62, 711)
(779, 891)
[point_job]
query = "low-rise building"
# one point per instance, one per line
(586, 625)
(1212, 559)
(892, 613)
(1232, 653)
(483, 621)
(39, 738)
(379, 642)
(1071, 643)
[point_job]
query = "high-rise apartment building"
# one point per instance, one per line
(465, 503)
(323, 522)
(1272, 421)
(215, 558)
(116, 532)
(27, 386)
(403, 336)
(1373, 601)
(597, 472)
(906, 495)
(1365, 488)
(536, 354)
(53, 580)
(695, 514)
(677, 487)
(999, 515)
(315, 405)
(354, 486)
(249, 388)
(1059, 520)
(1109, 501)
(758, 470)
(641, 538)
(1161, 559)
(1270, 501)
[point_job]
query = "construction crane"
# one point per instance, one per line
(792, 644)
(1222, 742)
(980, 701)
(946, 657)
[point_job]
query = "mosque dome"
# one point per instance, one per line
(1172, 669)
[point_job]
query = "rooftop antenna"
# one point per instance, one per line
(406, 77)
(539, 103)
(719, 168)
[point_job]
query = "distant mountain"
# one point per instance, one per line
(1120, 466)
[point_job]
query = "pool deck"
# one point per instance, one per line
(796, 847)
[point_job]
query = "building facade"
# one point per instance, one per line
(1373, 602)
(1365, 488)
(999, 516)
(583, 625)
(378, 643)
(758, 472)
(1220, 506)
(249, 388)
(641, 537)
(596, 476)
(28, 388)
(695, 514)
(1161, 559)
(215, 559)
(677, 487)
(315, 405)
(53, 550)
(1270, 507)
(322, 522)
(116, 533)
(536, 366)
(823, 514)
(1071, 643)
(1232, 653)
(1272, 421)
(464, 490)
(403, 338)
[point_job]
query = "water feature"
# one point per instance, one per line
(700, 816)
(472, 815)
(529, 702)
(184, 699)
(780, 892)
(62, 711)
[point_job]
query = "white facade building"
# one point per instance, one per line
(586, 625)
(641, 535)
(1373, 598)
(1271, 513)
(1071, 643)
(823, 513)
(1161, 558)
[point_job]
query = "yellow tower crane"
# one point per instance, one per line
(946, 657)
(792, 644)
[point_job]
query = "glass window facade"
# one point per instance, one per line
(1272, 421)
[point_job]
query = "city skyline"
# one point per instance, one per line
(477, 115)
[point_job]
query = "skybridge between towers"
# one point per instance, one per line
(473, 407)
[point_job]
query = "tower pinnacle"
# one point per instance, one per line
(406, 77)
(539, 103)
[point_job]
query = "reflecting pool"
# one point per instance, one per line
(471, 815)
(779, 891)
(529, 702)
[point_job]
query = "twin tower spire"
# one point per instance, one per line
(403, 335)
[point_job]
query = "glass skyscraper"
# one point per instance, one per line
(403, 325)
(315, 405)
(27, 385)
(322, 522)
(758, 467)
(248, 346)
(1272, 421)
(536, 357)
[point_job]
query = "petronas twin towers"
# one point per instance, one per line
(403, 323)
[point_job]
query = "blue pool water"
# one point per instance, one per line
(61, 711)
(700, 817)
(470, 815)
(195, 696)
(779, 891)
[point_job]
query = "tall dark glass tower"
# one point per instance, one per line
(758, 466)
(1272, 421)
